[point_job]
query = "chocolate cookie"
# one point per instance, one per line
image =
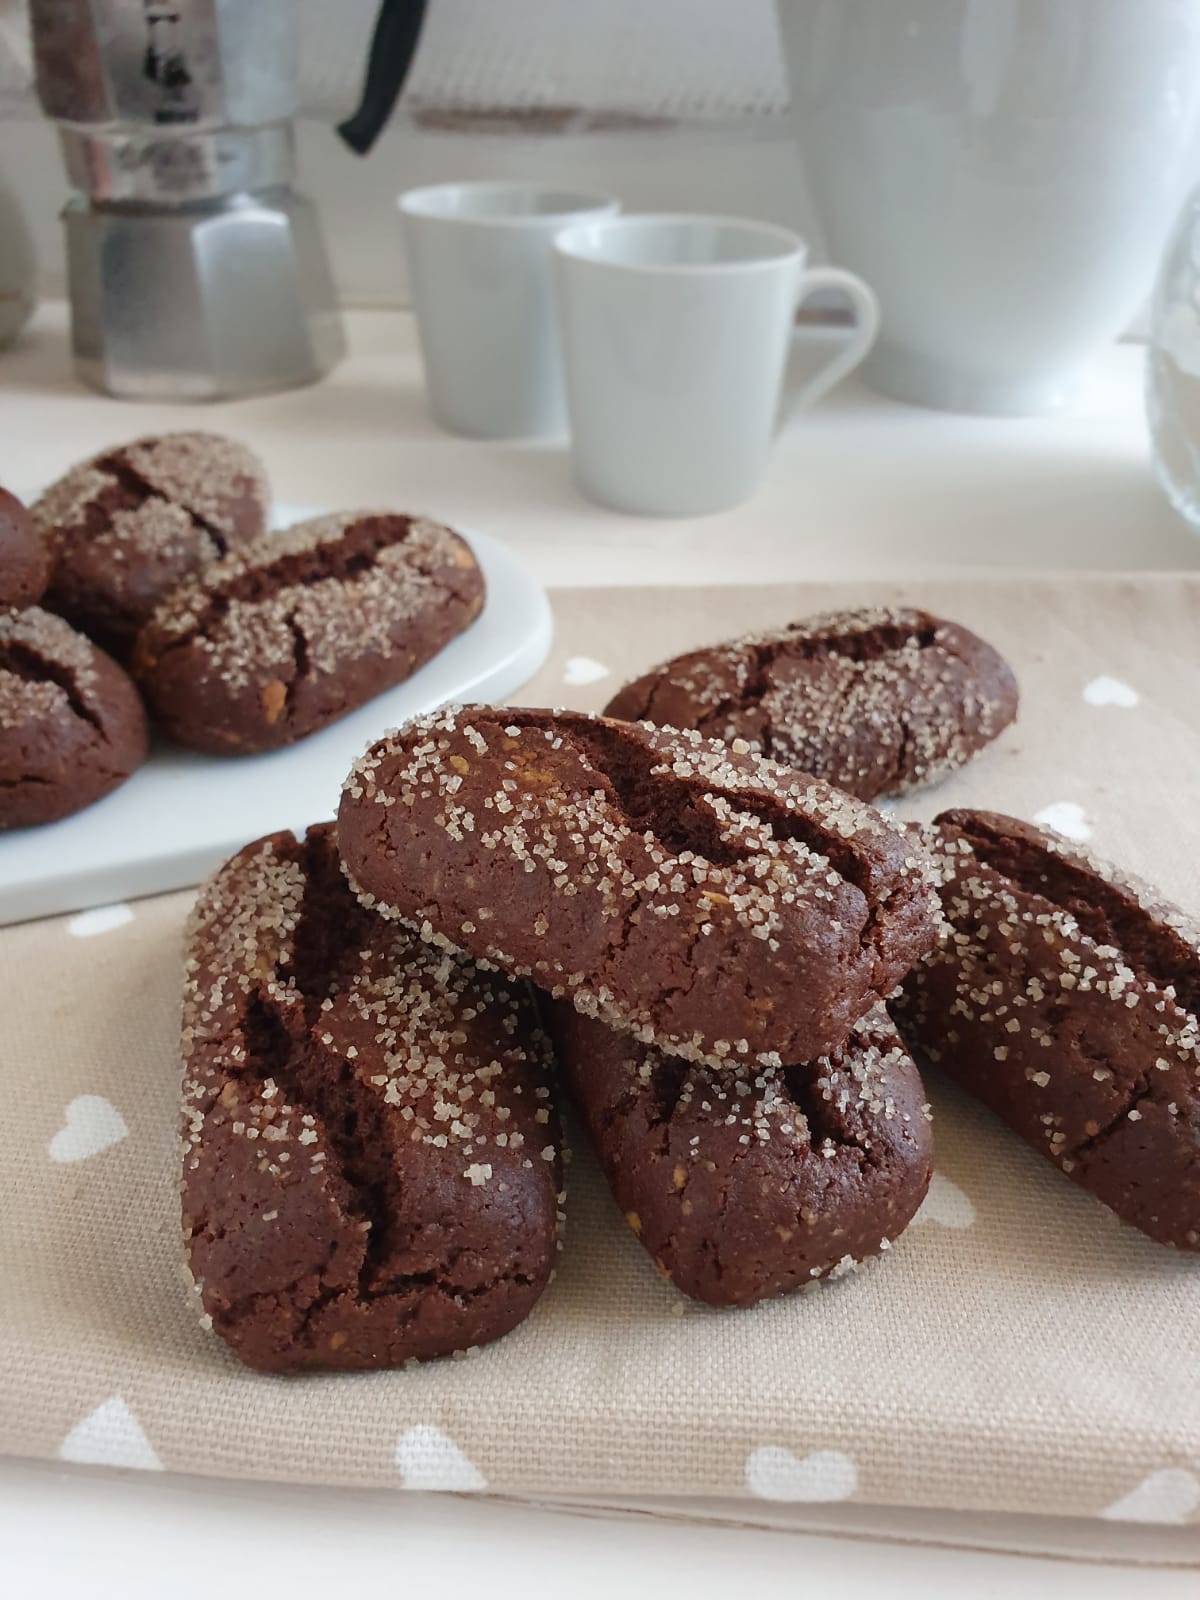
(125, 527)
(1067, 998)
(72, 726)
(280, 640)
(24, 565)
(371, 1156)
(702, 898)
(875, 701)
(746, 1184)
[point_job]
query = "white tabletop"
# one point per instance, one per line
(862, 485)
(859, 487)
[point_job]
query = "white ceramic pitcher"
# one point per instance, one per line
(1002, 173)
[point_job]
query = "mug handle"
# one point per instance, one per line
(858, 345)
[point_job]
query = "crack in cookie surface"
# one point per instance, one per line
(878, 700)
(693, 894)
(371, 1152)
(1064, 997)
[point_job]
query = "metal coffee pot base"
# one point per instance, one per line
(201, 303)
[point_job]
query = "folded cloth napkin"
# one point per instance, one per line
(1017, 1350)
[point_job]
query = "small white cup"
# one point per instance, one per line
(675, 335)
(479, 270)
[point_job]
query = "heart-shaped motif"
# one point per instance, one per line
(1167, 1496)
(946, 1203)
(93, 1123)
(110, 1436)
(1067, 818)
(773, 1473)
(582, 669)
(1105, 691)
(100, 919)
(429, 1460)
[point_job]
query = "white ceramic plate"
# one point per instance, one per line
(181, 814)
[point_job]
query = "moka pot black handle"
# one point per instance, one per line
(393, 46)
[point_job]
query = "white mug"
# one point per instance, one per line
(675, 335)
(479, 272)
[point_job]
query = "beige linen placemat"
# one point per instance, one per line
(1018, 1350)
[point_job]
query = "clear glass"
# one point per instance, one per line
(1173, 366)
(17, 268)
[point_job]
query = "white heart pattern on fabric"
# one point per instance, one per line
(1105, 691)
(773, 1473)
(93, 1123)
(1067, 818)
(100, 919)
(946, 1203)
(1167, 1496)
(110, 1436)
(582, 669)
(429, 1460)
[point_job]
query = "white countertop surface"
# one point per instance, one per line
(860, 486)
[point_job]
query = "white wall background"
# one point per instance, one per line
(672, 104)
(676, 104)
(707, 59)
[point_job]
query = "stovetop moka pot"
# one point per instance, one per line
(196, 269)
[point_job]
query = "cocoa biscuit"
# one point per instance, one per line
(1067, 998)
(125, 527)
(283, 638)
(702, 898)
(876, 701)
(24, 564)
(744, 1184)
(371, 1154)
(72, 726)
